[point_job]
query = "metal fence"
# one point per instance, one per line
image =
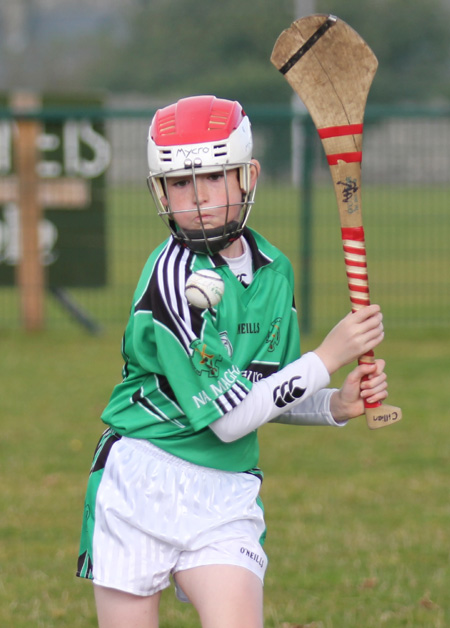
(97, 224)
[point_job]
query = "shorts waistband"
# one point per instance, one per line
(146, 446)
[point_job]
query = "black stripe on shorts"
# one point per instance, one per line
(101, 454)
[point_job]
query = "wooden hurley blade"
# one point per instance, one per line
(331, 68)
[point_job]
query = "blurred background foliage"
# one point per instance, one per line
(162, 49)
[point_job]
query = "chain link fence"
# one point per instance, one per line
(97, 224)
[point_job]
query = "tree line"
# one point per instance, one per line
(168, 48)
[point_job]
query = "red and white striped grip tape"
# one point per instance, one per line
(356, 265)
(358, 280)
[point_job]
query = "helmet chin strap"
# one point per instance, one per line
(209, 241)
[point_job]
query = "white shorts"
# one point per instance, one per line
(156, 514)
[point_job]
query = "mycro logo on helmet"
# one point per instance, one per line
(287, 392)
(189, 152)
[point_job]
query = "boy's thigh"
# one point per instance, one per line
(117, 609)
(225, 596)
(240, 548)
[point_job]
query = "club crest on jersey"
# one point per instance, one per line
(226, 343)
(202, 360)
(273, 336)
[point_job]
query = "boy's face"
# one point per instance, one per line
(214, 200)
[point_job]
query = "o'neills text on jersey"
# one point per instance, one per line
(248, 328)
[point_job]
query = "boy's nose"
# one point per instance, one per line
(201, 193)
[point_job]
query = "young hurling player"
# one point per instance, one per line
(174, 484)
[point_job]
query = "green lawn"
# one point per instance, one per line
(359, 520)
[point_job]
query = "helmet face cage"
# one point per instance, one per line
(209, 241)
(197, 136)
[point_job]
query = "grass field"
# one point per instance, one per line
(359, 521)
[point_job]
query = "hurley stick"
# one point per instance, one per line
(331, 69)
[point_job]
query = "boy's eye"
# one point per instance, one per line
(216, 176)
(181, 183)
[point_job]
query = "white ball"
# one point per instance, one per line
(204, 288)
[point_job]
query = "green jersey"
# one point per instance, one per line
(186, 367)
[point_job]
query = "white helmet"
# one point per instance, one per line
(200, 134)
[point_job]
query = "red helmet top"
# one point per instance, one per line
(195, 120)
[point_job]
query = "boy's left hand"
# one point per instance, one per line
(348, 401)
